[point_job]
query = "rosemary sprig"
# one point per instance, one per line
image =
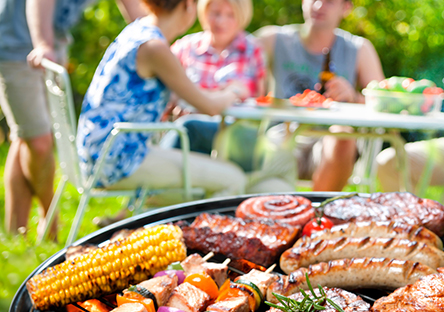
(308, 303)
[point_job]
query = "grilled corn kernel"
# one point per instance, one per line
(108, 269)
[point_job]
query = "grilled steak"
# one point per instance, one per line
(346, 300)
(258, 241)
(403, 207)
(425, 295)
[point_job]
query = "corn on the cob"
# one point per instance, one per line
(108, 269)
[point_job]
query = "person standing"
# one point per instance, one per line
(30, 31)
(296, 54)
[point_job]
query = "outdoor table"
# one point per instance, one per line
(378, 125)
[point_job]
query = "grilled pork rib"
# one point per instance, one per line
(258, 241)
(425, 295)
(404, 207)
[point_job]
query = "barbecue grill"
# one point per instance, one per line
(188, 211)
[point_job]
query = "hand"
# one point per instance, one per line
(339, 89)
(35, 57)
(239, 89)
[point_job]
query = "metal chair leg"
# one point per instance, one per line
(141, 196)
(52, 208)
(78, 218)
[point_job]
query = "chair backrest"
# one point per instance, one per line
(64, 119)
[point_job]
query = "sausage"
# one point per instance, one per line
(351, 274)
(349, 247)
(387, 229)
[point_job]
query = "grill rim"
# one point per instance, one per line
(224, 205)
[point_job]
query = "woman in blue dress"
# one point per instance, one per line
(132, 84)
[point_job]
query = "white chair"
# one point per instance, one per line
(64, 125)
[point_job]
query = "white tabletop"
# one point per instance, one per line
(356, 115)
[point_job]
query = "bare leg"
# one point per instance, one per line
(338, 159)
(31, 173)
(18, 193)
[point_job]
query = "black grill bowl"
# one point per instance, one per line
(188, 211)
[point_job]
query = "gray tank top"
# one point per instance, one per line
(295, 69)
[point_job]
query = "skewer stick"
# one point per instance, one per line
(226, 261)
(208, 256)
(270, 269)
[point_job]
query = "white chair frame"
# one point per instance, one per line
(64, 125)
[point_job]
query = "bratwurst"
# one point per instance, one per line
(387, 229)
(351, 274)
(317, 251)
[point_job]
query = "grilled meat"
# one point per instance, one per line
(387, 229)
(233, 304)
(261, 279)
(188, 298)
(352, 274)
(258, 241)
(425, 295)
(348, 301)
(403, 207)
(324, 250)
(289, 209)
(195, 264)
(130, 307)
(161, 287)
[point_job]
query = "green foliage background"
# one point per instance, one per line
(407, 34)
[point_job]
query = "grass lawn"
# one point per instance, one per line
(19, 255)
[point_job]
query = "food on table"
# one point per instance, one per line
(108, 269)
(352, 274)
(189, 298)
(289, 209)
(305, 253)
(387, 229)
(258, 241)
(130, 307)
(425, 295)
(403, 207)
(310, 98)
(264, 100)
(196, 264)
(316, 225)
(347, 301)
(402, 94)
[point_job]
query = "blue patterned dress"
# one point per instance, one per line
(118, 94)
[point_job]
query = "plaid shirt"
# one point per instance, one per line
(242, 60)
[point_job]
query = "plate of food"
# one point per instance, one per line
(309, 99)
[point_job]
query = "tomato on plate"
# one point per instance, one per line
(316, 224)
